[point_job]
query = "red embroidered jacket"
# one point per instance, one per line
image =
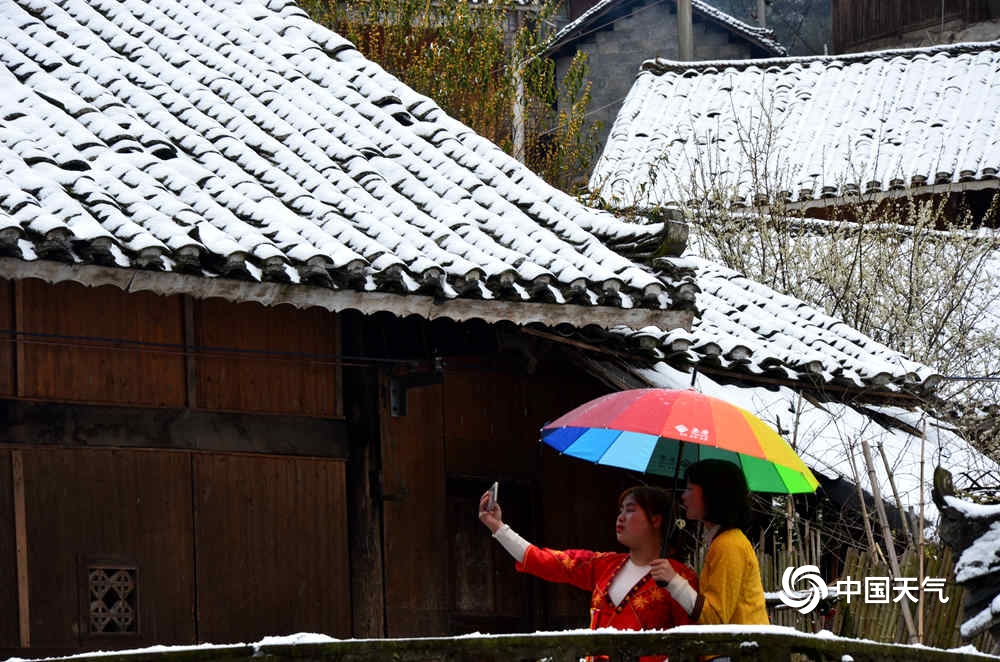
(645, 607)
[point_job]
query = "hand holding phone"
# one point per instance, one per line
(493, 495)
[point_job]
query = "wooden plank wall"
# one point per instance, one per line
(485, 426)
(487, 437)
(272, 547)
(855, 23)
(578, 501)
(8, 385)
(446, 575)
(262, 360)
(92, 503)
(415, 530)
(8, 564)
(69, 370)
(266, 382)
(229, 547)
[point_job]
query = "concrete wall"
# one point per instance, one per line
(649, 31)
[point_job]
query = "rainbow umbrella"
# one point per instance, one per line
(662, 431)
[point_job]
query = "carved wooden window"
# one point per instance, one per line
(112, 599)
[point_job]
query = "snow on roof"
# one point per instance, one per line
(583, 24)
(240, 139)
(827, 435)
(747, 327)
(806, 127)
(978, 565)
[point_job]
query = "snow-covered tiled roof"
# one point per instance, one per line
(748, 328)
(806, 128)
(973, 531)
(590, 20)
(240, 139)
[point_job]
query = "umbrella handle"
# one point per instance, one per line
(675, 523)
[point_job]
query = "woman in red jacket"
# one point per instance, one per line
(623, 594)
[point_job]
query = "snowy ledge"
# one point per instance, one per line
(305, 296)
(682, 644)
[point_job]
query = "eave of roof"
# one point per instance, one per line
(304, 296)
(763, 38)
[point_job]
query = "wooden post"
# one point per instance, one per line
(190, 369)
(21, 548)
(762, 13)
(890, 548)
(895, 495)
(685, 31)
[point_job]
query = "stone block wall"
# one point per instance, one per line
(648, 31)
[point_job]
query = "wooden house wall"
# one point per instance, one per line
(413, 480)
(856, 23)
(271, 534)
(104, 346)
(229, 547)
(7, 347)
(88, 370)
(85, 506)
(9, 629)
(446, 574)
(261, 379)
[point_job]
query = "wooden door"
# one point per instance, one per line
(415, 526)
(487, 593)
(272, 547)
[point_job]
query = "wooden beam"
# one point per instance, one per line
(574, 343)
(21, 548)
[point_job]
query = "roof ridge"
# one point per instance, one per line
(660, 66)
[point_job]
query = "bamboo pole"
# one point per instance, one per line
(866, 520)
(890, 548)
(920, 537)
(895, 496)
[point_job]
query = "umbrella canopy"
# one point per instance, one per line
(662, 431)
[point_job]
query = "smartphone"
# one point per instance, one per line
(493, 495)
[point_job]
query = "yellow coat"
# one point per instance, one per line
(730, 590)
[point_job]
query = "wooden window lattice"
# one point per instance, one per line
(113, 597)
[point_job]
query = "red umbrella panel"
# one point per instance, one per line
(662, 431)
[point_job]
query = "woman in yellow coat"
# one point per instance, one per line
(730, 589)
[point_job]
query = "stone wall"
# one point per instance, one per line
(648, 31)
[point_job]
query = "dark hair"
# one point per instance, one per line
(725, 492)
(653, 500)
